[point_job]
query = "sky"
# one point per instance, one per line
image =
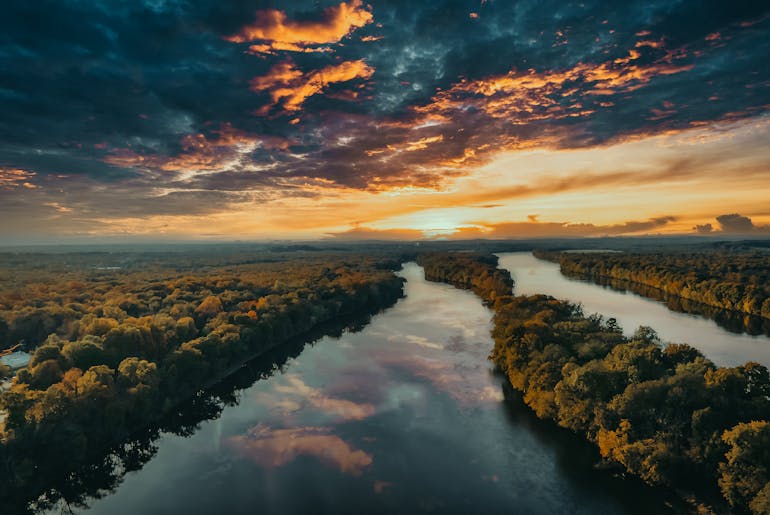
(220, 120)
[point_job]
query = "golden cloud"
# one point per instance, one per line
(290, 87)
(512, 230)
(12, 178)
(276, 31)
(201, 153)
(527, 96)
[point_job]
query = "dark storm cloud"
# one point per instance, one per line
(732, 223)
(739, 224)
(133, 95)
(703, 229)
(735, 223)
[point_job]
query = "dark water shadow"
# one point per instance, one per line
(578, 459)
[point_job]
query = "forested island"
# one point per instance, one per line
(731, 281)
(115, 348)
(660, 411)
(469, 271)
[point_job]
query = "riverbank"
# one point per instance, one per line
(733, 321)
(716, 280)
(33, 457)
(663, 413)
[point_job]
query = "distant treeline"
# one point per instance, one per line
(122, 349)
(468, 271)
(663, 412)
(733, 321)
(734, 281)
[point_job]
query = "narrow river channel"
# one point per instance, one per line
(404, 416)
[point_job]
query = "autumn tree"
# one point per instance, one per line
(745, 475)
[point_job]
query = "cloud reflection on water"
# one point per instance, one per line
(297, 394)
(272, 448)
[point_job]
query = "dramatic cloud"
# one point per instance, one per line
(738, 224)
(271, 119)
(703, 228)
(275, 31)
(225, 147)
(525, 97)
(290, 87)
(733, 224)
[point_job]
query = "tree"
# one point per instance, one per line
(49, 351)
(97, 383)
(45, 374)
(5, 371)
(85, 353)
(210, 306)
(122, 341)
(745, 473)
(136, 374)
(760, 504)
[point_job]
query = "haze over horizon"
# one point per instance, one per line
(175, 120)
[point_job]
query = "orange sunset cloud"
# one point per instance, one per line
(277, 32)
(290, 87)
(352, 119)
(11, 178)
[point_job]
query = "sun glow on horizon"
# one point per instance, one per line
(682, 180)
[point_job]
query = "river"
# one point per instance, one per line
(403, 416)
(723, 347)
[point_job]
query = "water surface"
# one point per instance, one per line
(405, 416)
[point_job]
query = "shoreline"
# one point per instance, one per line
(593, 276)
(107, 447)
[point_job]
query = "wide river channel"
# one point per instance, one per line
(405, 416)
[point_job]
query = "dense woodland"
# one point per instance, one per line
(114, 348)
(662, 412)
(470, 271)
(734, 281)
